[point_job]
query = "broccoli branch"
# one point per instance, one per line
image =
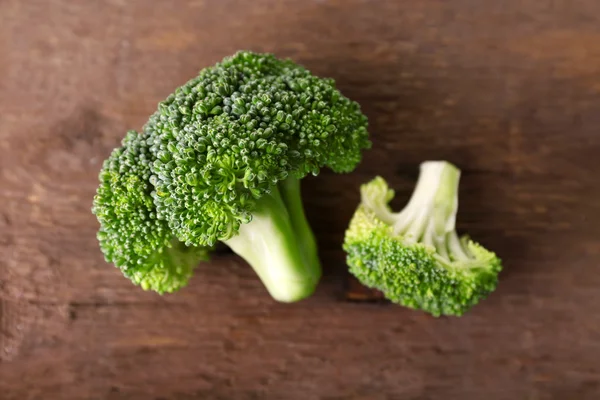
(292, 198)
(430, 215)
(269, 243)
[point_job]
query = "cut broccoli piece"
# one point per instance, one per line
(415, 257)
(140, 245)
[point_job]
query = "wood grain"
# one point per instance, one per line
(509, 91)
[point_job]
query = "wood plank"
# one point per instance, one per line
(509, 91)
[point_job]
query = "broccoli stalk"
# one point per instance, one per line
(430, 215)
(274, 244)
(415, 257)
(290, 193)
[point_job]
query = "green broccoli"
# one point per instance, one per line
(227, 151)
(130, 235)
(415, 257)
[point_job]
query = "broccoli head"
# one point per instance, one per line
(227, 151)
(415, 257)
(227, 137)
(140, 245)
(230, 147)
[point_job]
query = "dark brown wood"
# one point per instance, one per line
(508, 90)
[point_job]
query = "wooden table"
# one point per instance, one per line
(508, 90)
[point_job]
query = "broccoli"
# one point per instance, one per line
(415, 257)
(226, 153)
(130, 235)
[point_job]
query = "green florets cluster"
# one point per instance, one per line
(224, 138)
(411, 275)
(131, 236)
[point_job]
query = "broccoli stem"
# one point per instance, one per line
(292, 198)
(430, 215)
(270, 245)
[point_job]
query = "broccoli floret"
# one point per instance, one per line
(140, 245)
(415, 257)
(229, 148)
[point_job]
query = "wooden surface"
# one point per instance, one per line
(508, 90)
